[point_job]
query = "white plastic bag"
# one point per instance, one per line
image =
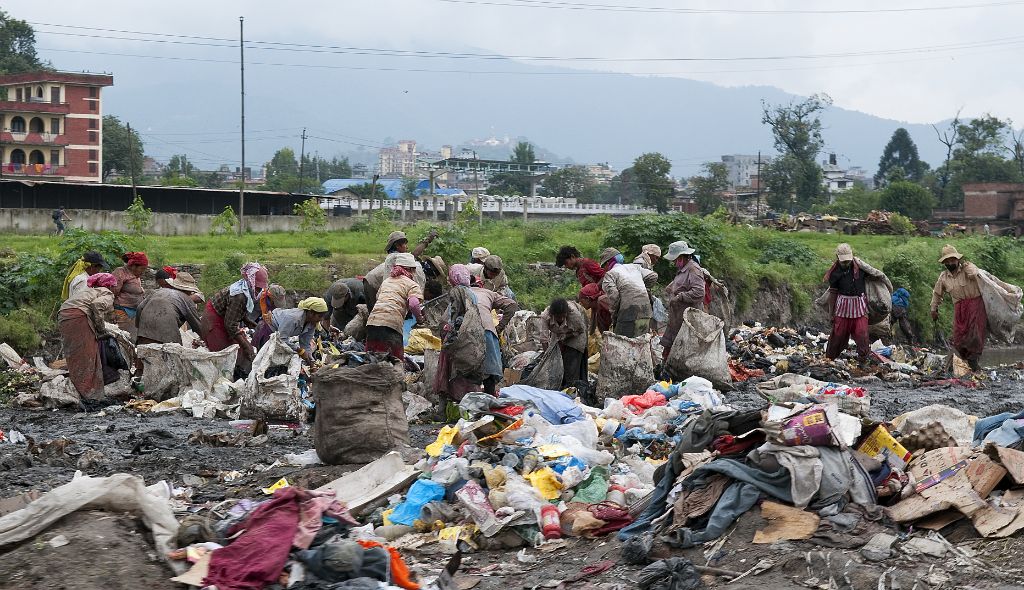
(699, 349)
(172, 369)
(274, 397)
(1002, 305)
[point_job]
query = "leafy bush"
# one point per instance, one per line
(902, 224)
(224, 223)
(313, 216)
(993, 254)
(21, 329)
(705, 235)
(319, 252)
(450, 244)
(600, 221)
(787, 252)
(138, 217)
(536, 233)
(381, 221)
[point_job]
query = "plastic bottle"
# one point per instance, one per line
(550, 522)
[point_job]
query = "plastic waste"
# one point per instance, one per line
(421, 492)
(550, 523)
(473, 497)
(594, 488)
(546, 482)
(444, 438)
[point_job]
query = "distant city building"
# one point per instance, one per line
(835, 177)
(360, 171)
(859, 174)
(742, 169)
(398, 162)
(51, 124)
(601, 173)
(150, 167)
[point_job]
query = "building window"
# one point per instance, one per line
(17, 125)
(94, 137)
(18, 95)
(36, 157)
(55, 94)
(39, 92)
(55, 126)
(93, 105)
(36, 125)
(93, 124)
(55, 158)
(17, 156)
(93, 154)
(92, 168)
(94, 92)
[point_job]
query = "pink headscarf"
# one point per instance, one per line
(459, 275)
(253, 276)
(137, 258)
(102, 279)
(401, 271)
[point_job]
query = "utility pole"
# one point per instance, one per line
(757, 215)
(131, 161)
(302, 159)
(241, 186)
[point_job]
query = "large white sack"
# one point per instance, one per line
(173, 369)
(275, 397)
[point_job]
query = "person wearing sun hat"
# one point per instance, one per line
(848, 303)
(163, 311)
(399, 296)
(649, 255)
(627, 287)
(685, 291)
(960, 280)
(300, 322)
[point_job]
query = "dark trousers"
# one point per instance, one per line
(899, 316)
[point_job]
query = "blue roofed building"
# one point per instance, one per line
(392, 187)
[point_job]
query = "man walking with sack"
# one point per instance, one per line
(961, 281)
(848, 302)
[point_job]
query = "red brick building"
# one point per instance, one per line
(994, 201)
(51, 125)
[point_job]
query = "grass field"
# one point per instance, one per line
(744, 257)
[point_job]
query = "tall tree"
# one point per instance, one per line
(653, 183)
(179, 165)
(900, 160)
(116, 153)
(908, 198)
(523, 153)
(975, 153)
(571, 182)
(283, 174)
(708, 188)
(18, 46)
(797, 131)
(948, 138)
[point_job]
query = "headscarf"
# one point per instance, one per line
(315, 304)
(400, 271)
(247, 284)
(459, 275)
(171, 272)
(77, 269)
(102, 279)
(854, 266)
(591, 291)
(138, 258)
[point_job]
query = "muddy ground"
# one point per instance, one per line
(111, 551)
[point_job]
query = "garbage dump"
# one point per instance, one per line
(761, 460)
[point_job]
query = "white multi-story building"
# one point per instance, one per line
(398, 162)
(742, 169)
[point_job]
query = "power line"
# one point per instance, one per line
(378, 52)
(562, 5)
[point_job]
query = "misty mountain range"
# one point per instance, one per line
(570, 116)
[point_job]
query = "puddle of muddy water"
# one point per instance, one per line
(1002, 355)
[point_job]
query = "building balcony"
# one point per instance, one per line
(47, 139)
(12, 106)
(30, 170)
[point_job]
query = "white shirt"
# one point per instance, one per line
(78, 283)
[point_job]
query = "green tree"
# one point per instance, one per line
(652, 181)
(409, 187)
(210, 179)
(116, 153)
(779, 177)
(797, 131)
(900, 160)
(327, 169)
(855, 203)
(313, 216)
(908, 198)
(368, 190)
(975, 153)
(283, 174)
(18, 47)
(523, 153)
(138, 217)
(571, 182)
(708, 188)
(179, 165)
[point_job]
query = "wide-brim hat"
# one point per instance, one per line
(395, 236)
(949, 252)
(607, 255)
(844, 252)
(677, 249)
(184, 282)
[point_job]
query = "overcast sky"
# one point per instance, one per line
(914, 86)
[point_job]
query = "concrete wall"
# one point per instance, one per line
(39, 221)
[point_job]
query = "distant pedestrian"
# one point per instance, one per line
(900, 313)
(59, 217)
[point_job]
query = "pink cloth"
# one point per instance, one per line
(249, 272)
(401, 271)
(102, 279)
(638, 404)
(311, 513)
(459, 275)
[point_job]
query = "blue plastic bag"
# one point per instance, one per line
(422, 492)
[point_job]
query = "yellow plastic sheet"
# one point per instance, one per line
(546, 482)
(281, 483)
(445, 437)
(421, 339)
(552, 451)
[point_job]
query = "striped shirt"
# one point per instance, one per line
(851, 306)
